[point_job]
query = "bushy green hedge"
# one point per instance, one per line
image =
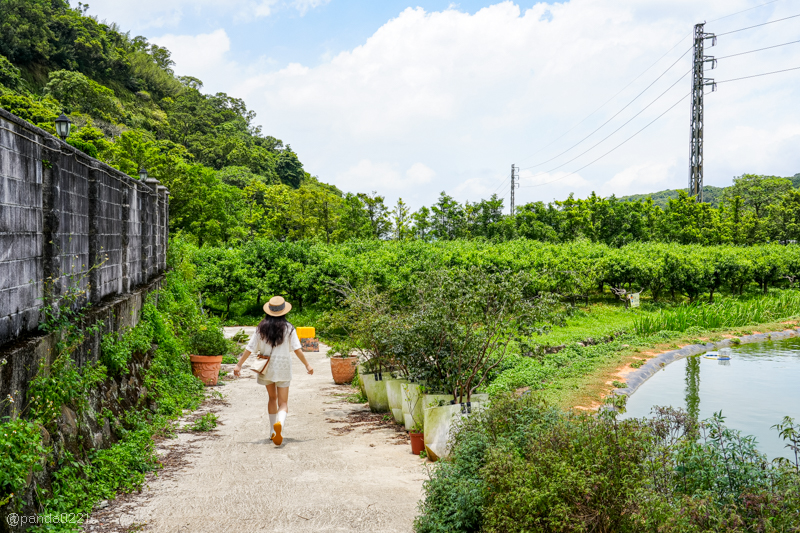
(301, 271)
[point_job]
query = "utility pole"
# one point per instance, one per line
(699, 83)
(514, 184)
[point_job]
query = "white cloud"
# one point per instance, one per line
(197, 55)
(304, 6)
(366, 176)
(470, 94)
(264, 9)
(419, 174)
(638, 179)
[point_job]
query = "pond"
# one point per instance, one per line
(754, 390)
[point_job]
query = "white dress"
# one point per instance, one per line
(280, 364)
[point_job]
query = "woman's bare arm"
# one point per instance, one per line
(300, 355)
(242, 359)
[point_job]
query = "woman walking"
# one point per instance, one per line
(273, 343)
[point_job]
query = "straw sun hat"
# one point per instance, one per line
(277, 306)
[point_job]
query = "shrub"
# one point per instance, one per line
(522, 466)
(456, 493)
(117, 348)
(208, 340)
(20, 453)
(461, 323)
(581, 474)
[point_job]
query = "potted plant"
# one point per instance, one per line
(394, 393)
(343, 365)
(365, 325)
(458, 332)
(417, 439)
(207, 346)
(375, 387)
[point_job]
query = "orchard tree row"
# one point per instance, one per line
(308, 273)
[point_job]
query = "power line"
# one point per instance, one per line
(614, 116)
(617, 146)
(504, 191)
(758, 50)
(616, 130)
(759, 75)
(639, 76)
(500, 184)
(648, 69)
(758, 25)
(607, 101)
(743, 10)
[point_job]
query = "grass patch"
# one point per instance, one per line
(207, 422)
(727, 313)
(599, 321)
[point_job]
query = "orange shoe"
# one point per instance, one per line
(277, 438)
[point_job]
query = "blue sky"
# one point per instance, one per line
(306, 33)
(410, 99)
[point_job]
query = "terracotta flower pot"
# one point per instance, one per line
(417, 442)
(343, 369)
(206, 367)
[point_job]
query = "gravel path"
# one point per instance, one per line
(339, 468)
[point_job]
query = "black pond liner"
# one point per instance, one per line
(636, 379)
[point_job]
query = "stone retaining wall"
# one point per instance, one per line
(67, 219)
(21, 360)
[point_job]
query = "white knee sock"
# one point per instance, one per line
(282, 418)
(273, 417)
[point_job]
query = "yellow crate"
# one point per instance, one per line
(306, 333)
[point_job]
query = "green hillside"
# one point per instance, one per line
(711, 194)
(227, 178)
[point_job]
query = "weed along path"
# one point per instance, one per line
(340, 468)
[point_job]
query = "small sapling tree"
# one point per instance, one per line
(461, 324)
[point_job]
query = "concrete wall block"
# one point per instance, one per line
(19, 192)
(20, 219)
(20, 246)
(18, 273)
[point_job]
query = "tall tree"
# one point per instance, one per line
(758, 192)
(401, 221)
(378, 214)
(448, 218)
(422, 223)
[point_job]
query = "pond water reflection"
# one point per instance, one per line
(754, 390)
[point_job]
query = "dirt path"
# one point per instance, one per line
(354, 478)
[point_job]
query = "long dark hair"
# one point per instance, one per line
(273, 328)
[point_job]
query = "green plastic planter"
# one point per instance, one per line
(376, 392)
(412, 404)
(440, 420)
(395, 396)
